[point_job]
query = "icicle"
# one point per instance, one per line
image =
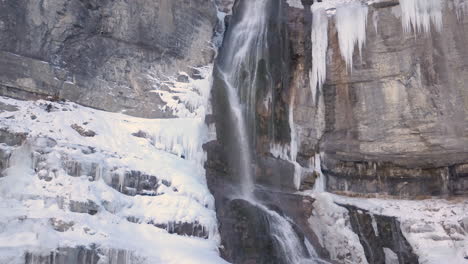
(461, 7)
(351, 21)
(319, 185)
(319, 49)
(417, 15)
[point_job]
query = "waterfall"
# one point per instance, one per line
(244, 169)
(237, 67)
(240, 67)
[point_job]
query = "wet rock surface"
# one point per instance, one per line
(247, 236)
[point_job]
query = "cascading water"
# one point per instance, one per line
(237, 62)
(242, 69)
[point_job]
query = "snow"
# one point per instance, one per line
(184, 99)
(295, 3)
(434, 227)
(319, 49)
(169, 149)
(390, 256)
(417, 15)
(351, 22)
(331, 224)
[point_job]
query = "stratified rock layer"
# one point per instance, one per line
(104, 54)
(396, 124)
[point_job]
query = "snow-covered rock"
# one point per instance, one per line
(115, 190)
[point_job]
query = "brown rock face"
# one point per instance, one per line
(398, 123)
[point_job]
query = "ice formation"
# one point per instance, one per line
(184, 98)
(435, 228)
(319, 49)
(417, 15)
(331, 224)
(58, 175)
(461, 7)
(295, 3)
(351, 22)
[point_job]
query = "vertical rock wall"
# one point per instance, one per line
(109, 55)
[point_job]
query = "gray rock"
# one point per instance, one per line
(397, 124)
(60, 225)
(7, 107)
(101, 53)
(83, 132)
(12, 138)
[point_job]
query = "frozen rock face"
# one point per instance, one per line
(133, 192)
(110, 55)
(396, 122)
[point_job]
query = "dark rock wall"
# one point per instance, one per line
(100, 53)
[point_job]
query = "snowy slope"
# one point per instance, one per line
(84, 177)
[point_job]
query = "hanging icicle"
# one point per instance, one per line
(351, 21)
(319, 49)
(417, 15)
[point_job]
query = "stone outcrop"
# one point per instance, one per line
(108, 55)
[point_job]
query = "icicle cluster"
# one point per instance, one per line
(461, 7)
(351, 21)
(417, 15)
(319, 49)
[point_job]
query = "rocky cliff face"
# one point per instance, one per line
(391, 124)
(69, 171)
(396, 123)
(110, 55)
(84, 185)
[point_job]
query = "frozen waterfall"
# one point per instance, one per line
(319, 50)
(417, 15)
(351, 21)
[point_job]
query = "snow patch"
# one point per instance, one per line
(60, 175)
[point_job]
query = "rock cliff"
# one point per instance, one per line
(109, 55)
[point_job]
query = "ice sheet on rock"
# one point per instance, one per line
(159, 154)
(351, 22)
(433, 227)
(169, 149)
(319, 49)
(418, 15)
(187, 97)
(330, 223)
